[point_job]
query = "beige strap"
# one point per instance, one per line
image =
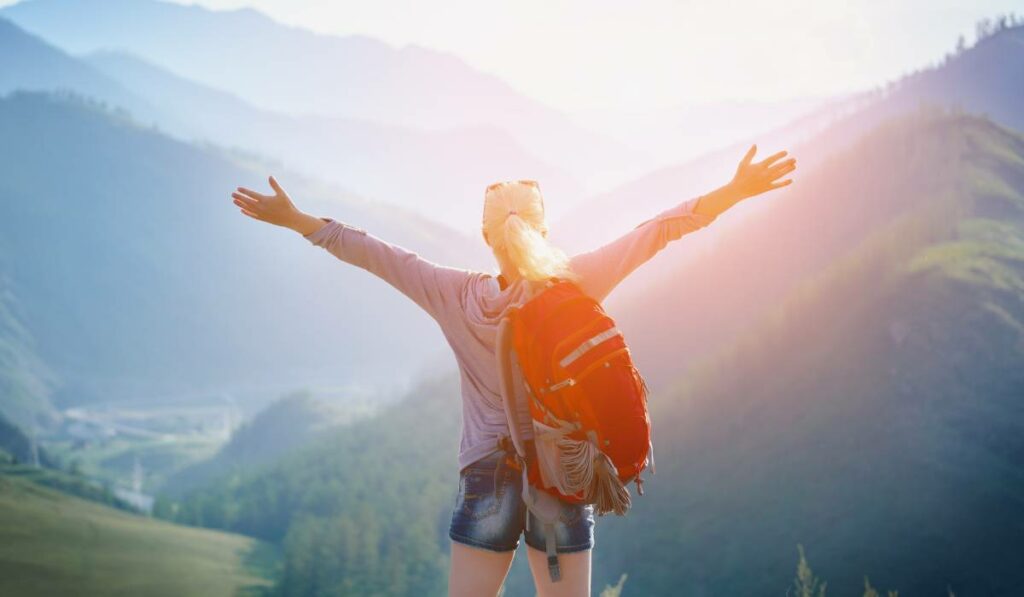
(503, 354)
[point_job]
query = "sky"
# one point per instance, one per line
(597, 55)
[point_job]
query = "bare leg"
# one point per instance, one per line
(575, 568)
(477, 572)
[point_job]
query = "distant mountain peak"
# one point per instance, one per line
(352, 76)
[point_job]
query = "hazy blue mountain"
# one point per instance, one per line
(875, 417)
(138, 277)
(441, 174)
(296, 71)
(29, 63)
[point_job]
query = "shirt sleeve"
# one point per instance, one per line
(602, 269)
(433, 287)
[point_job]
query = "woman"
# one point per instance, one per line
(489, 514)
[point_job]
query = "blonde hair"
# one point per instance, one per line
(515, 227)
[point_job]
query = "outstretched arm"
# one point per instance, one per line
(751, 179)
(433, 287)
(602, 269)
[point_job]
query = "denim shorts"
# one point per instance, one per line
(490, 512)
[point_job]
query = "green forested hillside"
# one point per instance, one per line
(53, 544)
(831, 208)
(285, 425)
(363, 511)
(875, 417)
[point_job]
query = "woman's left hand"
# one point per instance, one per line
(750, 179)
(755, 178)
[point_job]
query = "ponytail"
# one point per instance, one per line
(515, 227)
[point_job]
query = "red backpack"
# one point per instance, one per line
(588, 402)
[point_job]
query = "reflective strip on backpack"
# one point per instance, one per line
(587, 345)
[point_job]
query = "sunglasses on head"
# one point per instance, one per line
(532, 183)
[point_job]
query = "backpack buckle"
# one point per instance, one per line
(564, 383)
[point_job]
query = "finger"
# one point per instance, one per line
(243, 201)
(783, 168)
(253, 194)
(277, 188)
(768, 161)
(250, 214)
(780, 184)
(750, 155)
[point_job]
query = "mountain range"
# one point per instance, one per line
(440, 174)
(353, 76)
(137, 277)
(835, 365)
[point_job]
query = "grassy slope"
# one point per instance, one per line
(65, 482)
(53, 544)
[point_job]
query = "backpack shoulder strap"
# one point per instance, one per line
(506, 381)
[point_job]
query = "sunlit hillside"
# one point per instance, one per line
(874, 416)
(53, 544)
(746, 261)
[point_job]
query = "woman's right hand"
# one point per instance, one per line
(276, 209)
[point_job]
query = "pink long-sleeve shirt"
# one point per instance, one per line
(468, 305)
